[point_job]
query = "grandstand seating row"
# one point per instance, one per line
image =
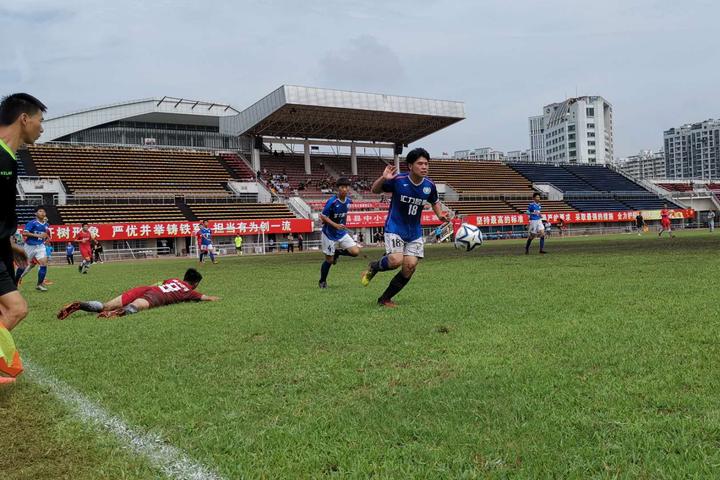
(102, 169)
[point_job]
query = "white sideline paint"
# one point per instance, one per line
(172, 461)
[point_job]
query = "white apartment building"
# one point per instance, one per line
(646, 164)
(484, 153)
(693, 151)
(577, 130)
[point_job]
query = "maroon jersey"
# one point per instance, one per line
(83, 239)
(171, 291)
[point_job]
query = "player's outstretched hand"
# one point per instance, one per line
(390, 172)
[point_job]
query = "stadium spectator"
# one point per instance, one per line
(70, 253)
(300, 242)
(290, 243)
(560, 226)
(711, 220)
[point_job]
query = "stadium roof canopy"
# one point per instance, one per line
(317, 113)
(167, 110)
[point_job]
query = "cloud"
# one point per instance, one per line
(362, 64)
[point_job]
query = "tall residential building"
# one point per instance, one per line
(537, 139)
(646, 164)
(693, 151)
(577, 130)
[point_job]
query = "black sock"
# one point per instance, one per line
(91, 306)
(527, 244)
(542, 243)
(18, 274)
(396, 284)
(324, 270)
(381, 265)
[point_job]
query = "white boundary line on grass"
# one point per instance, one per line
(172, 461)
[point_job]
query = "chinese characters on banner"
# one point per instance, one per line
(140, 230)
(377, 219)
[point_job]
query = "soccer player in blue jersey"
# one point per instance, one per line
(205, 238)
(35, 233)
(536, 227)
(404, 245)
(335, 240)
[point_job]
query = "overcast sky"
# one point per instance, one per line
(656, 61)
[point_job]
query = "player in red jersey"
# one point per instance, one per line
(136, 299)
(84, 239)
(666, 225)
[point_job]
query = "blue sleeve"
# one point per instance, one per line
(30, 226)
(389, 185)
(433, 198)
(327, 210)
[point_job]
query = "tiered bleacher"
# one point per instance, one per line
(597, 205)
(239, 210)
(239, 169)
(548, 206)
(677, 187)
(286, 174)
(471, 178)
(110, 213)
(25, 213)
(603, 179)
(119, 169)
(560, 178)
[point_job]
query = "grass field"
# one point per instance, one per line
(600, 360)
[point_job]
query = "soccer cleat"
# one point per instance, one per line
(80, 268)
(542, 252)
(527, 252)
(41, 288)
(366, 276)
(68, 310)
(118, 312)
(13, 369)
(322, 284)
(386, 303)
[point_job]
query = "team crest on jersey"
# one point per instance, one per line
(426, 190)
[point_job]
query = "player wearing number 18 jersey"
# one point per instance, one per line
(404, 245)
(168, 292)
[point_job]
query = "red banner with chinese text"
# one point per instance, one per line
(140, 230)
(377, 219)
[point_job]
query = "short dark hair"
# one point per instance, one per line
(416, 153)
(192, 276)
(343, 182)
(37, 209)
(16, 104)
(84, 223)
(536, 194)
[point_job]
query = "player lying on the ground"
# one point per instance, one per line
(170, 291)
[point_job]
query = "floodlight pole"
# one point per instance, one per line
(396, 159)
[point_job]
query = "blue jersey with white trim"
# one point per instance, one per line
(205, 236)
(336, 211)
(406, 205)
(534, 211)
(33, 226)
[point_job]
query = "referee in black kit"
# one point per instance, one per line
(21, 117)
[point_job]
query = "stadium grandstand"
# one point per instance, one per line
(171, 159)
